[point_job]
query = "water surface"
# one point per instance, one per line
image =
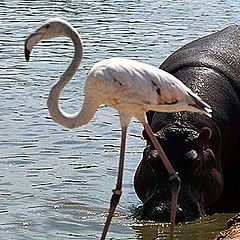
(56, 183)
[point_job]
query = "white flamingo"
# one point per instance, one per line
(131, 87)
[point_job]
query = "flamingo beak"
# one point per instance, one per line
(30, 42)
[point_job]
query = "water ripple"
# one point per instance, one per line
(56, 183)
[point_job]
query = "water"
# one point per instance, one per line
(56, 183)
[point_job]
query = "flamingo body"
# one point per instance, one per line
(132, 87)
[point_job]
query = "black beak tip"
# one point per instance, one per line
(27, 54)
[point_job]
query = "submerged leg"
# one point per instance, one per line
(174, 179)
(118, 190)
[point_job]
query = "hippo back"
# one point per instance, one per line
(218, 51)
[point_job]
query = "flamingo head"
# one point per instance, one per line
(52, 28)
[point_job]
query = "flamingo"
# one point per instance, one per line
(130, 87)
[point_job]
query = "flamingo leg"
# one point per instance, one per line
(175, 181)
(118, 190)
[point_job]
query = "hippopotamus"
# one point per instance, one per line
(204, 151)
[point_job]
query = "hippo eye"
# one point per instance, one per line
(192, 154)
(195, 166)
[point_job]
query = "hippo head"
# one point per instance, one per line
(201, 181)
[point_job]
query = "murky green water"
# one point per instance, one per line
(55, 183)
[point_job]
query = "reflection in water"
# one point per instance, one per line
(204, 228)
(55, 183)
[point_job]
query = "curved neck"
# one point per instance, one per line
(88, 109)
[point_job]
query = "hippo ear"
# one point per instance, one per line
(204, 135)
